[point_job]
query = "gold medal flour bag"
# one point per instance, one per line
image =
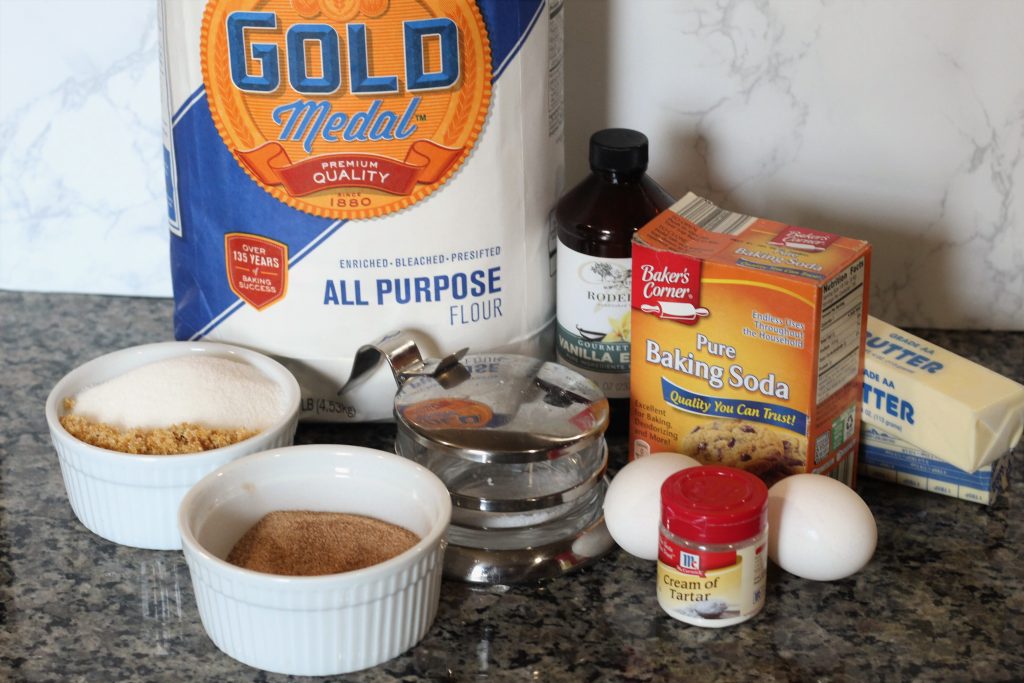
(340, 168)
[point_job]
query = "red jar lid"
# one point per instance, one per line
(712, 504)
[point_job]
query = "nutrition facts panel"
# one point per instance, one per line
(842, 313)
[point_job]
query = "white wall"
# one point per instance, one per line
(898, 122)
(81, 169)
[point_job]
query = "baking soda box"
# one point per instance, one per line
(747, 342)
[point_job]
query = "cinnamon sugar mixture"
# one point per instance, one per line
(305, 543)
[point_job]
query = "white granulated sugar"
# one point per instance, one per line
(217, 393)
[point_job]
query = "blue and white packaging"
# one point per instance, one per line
(338, 169)
(885, 456)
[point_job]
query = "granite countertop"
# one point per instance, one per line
(943, 598)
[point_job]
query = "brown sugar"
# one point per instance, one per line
(174, 440)
(305, 543)
(178, 439)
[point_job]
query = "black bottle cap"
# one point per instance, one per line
(618, 150)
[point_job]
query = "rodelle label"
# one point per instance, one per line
(347, 108)
(593, 318)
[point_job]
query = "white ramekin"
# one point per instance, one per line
(316, 625)
(133, 499)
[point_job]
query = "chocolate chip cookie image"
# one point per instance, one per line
(747, 446)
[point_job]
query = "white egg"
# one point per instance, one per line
(819, 528)
(632, 504)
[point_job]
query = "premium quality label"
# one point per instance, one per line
(353, 119)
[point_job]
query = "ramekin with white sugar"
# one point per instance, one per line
(133, 499)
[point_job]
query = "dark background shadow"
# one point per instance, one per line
(588, 61)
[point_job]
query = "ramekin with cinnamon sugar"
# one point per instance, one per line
(326, 624)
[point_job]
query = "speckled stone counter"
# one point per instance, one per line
(943, 598)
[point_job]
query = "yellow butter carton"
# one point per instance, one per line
(747, 342)
(937, 401)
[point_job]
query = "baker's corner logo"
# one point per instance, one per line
(803, 239)
(670, 291)
(347, 108)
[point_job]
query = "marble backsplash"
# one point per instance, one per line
(81, 168)
(900, 122)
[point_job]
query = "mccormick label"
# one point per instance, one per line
(330, 178)
(747, 351)
(711, 587)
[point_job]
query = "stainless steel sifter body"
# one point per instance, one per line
(519, 443)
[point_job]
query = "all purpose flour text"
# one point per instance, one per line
(471, 295)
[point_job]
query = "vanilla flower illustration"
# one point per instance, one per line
(620, 329)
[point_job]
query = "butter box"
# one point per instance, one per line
(887, 457)
(747, 342)
(938, 401)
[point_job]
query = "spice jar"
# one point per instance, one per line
(712, 546)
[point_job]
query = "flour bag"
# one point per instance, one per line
(337, 169)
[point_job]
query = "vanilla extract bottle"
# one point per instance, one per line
(595, 222)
